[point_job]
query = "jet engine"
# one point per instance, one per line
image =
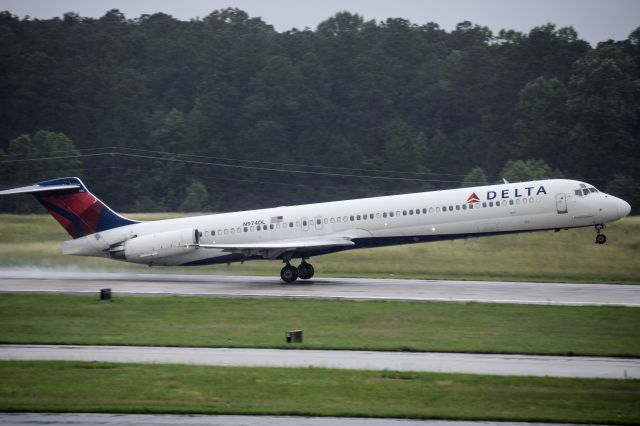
(147, 248)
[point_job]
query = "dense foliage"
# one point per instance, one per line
(226, 113)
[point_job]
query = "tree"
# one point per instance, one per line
(32, 158)
(625, 187)
(196, 199)
(523, 170)
(475, 177)
(541, 126)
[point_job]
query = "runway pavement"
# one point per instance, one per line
(511, 365)
(78, 419)
(56, 281)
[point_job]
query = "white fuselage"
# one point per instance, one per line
(379, 221)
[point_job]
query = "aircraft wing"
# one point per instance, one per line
(273, 249)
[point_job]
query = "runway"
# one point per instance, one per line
(56, 281)
(82, 419)
(488, 364)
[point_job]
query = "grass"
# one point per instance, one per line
(133, 388)
(371, 325)
(567, 256)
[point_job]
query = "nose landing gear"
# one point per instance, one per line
(600, 238)
(290, 273)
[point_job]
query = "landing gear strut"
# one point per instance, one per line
(600, 238)
(290, 273)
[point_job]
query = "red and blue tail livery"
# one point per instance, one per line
(70, 203)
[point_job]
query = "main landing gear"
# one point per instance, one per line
(290, 273)
(600, 238)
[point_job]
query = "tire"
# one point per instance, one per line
(289, 274)
(305, 271)
(601, 239)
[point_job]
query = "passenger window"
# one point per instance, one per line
(332, 220)
(326, 221)
(510, 202)
(219, 231)
(290, 224)
(252, 228)
(524, 201)
(390, 214)
(430, 209)
(444, 209)
(319, 221)
(264, 227)
(370, 215)
(450, 208)
(213, 232)
(531, 200)
(377, 215)
(277, 226)
(233, 230)
(424, 211)
(498, 203)
(297, 224)
(457, 206)
(304, 223)
(397, 212)
(437, 209)
(470, 206)
(404, 212)
(344, 219)
(490, 203)
(364, 217)
(271, 226)
(484, 204)
(258, 228)
(518, 201)
(245, 229)
(464, 207)
(359, 217)
(351, 217)
(411, 212)
(338, 220)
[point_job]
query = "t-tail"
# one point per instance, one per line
(73, 206)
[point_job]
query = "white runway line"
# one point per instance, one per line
(489, 364)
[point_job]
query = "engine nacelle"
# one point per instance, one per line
(147, 248)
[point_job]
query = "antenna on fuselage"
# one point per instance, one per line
(504, 180)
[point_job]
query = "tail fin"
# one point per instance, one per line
(73, 206)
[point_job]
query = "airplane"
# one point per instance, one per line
(303, 231)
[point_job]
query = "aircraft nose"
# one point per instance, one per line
(623, 208)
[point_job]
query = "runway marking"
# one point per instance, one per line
(487, 364)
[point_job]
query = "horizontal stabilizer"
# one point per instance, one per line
(38, 188)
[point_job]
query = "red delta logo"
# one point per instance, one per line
(473, 198)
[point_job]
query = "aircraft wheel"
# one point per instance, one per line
(601, 239)
(289, 273)
(305, 271)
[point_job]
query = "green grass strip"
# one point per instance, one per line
(371, 325)
(135, 388)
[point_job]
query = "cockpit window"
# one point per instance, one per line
(593, 190)
(585, 191)
(578, 192)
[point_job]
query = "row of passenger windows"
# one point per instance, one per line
(371, 216)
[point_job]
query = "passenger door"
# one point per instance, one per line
(561, 203)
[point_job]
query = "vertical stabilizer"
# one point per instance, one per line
(73, 206)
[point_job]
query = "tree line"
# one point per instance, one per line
(224, 113)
